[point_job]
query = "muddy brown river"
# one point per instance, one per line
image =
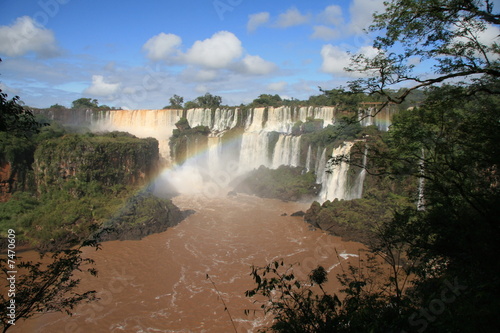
(159, 284)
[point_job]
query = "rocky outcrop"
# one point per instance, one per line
(143, 215)
(327, 217)
(109, 160)
(7, 179)
(285, 183)
(359, 219)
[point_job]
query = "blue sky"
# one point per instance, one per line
(137, 54)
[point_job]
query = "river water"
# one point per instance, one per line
(159, 284)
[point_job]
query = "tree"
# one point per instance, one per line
(85, 103)
(42, 288)
(176, 102)
(451, 141)
(57, 107)
(449, 34)
(15, 119)
(209, 101)
(267, 100)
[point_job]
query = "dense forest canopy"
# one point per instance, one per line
(448, 246)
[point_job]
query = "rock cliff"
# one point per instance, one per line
(109, 160)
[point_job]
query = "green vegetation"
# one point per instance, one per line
(185, 138)
(331, 136)
(266, 100)
(46, 287)
(442, 256)
(39, 288)
(85, 103)
(206, 101)
(285, 183)
(143, 214)
(78, 181)
(176, 102)
(449, 246)
(113, 158)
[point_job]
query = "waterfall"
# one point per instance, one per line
(214, 153)
(279, 120)
(225, 119)
(308, 159)
(265, 140)
(335, 186)
(254, 151)
(357, 189)
(321, 166)
(286, 151)
(141, 123)
(199, 117)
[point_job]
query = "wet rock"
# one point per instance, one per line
(299, 213)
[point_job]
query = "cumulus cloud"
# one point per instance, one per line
(291, 17)
(217, 51)
(335, 59)
(25, 36)
(209, 59)
(325, 33)
(255, 65)
(162, 46)
(256, 20)
(332, 15)
(361, 12)
(101, 88)
(277, 86)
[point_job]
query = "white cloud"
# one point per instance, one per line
(332, 15)
(256, 20)
(201, 89)
(217, 51)
(101, 88)
(291, 17)
(26, 36)
(277, 86)
(335, 59)
(362, 14)
(162, 46)
(325, 33)
(256, 65)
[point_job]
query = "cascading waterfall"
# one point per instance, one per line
(265, 139)
(308, 159)
(286, 151)
(321, 166)
(335, 181)
(141, 123)
(254, 151)
(357, 189)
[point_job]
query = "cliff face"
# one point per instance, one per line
(109, 160)
(71, 117)
(7, 179)
(16, 158)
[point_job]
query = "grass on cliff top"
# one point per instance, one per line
(61, 217)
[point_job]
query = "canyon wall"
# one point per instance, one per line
(108, 160)
(243, 139)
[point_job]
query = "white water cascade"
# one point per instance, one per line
(264, 137)
(335, 179)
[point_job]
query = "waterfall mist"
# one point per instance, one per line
(265, 138)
